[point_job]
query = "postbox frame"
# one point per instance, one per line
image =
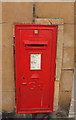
(53, 60)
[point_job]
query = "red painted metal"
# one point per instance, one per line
(35, 87)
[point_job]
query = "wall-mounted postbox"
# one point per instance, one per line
(35, 59)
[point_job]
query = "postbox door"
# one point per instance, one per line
(36, 69)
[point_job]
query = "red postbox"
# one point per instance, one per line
(35, 61)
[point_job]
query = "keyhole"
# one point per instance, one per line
(23, 77)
